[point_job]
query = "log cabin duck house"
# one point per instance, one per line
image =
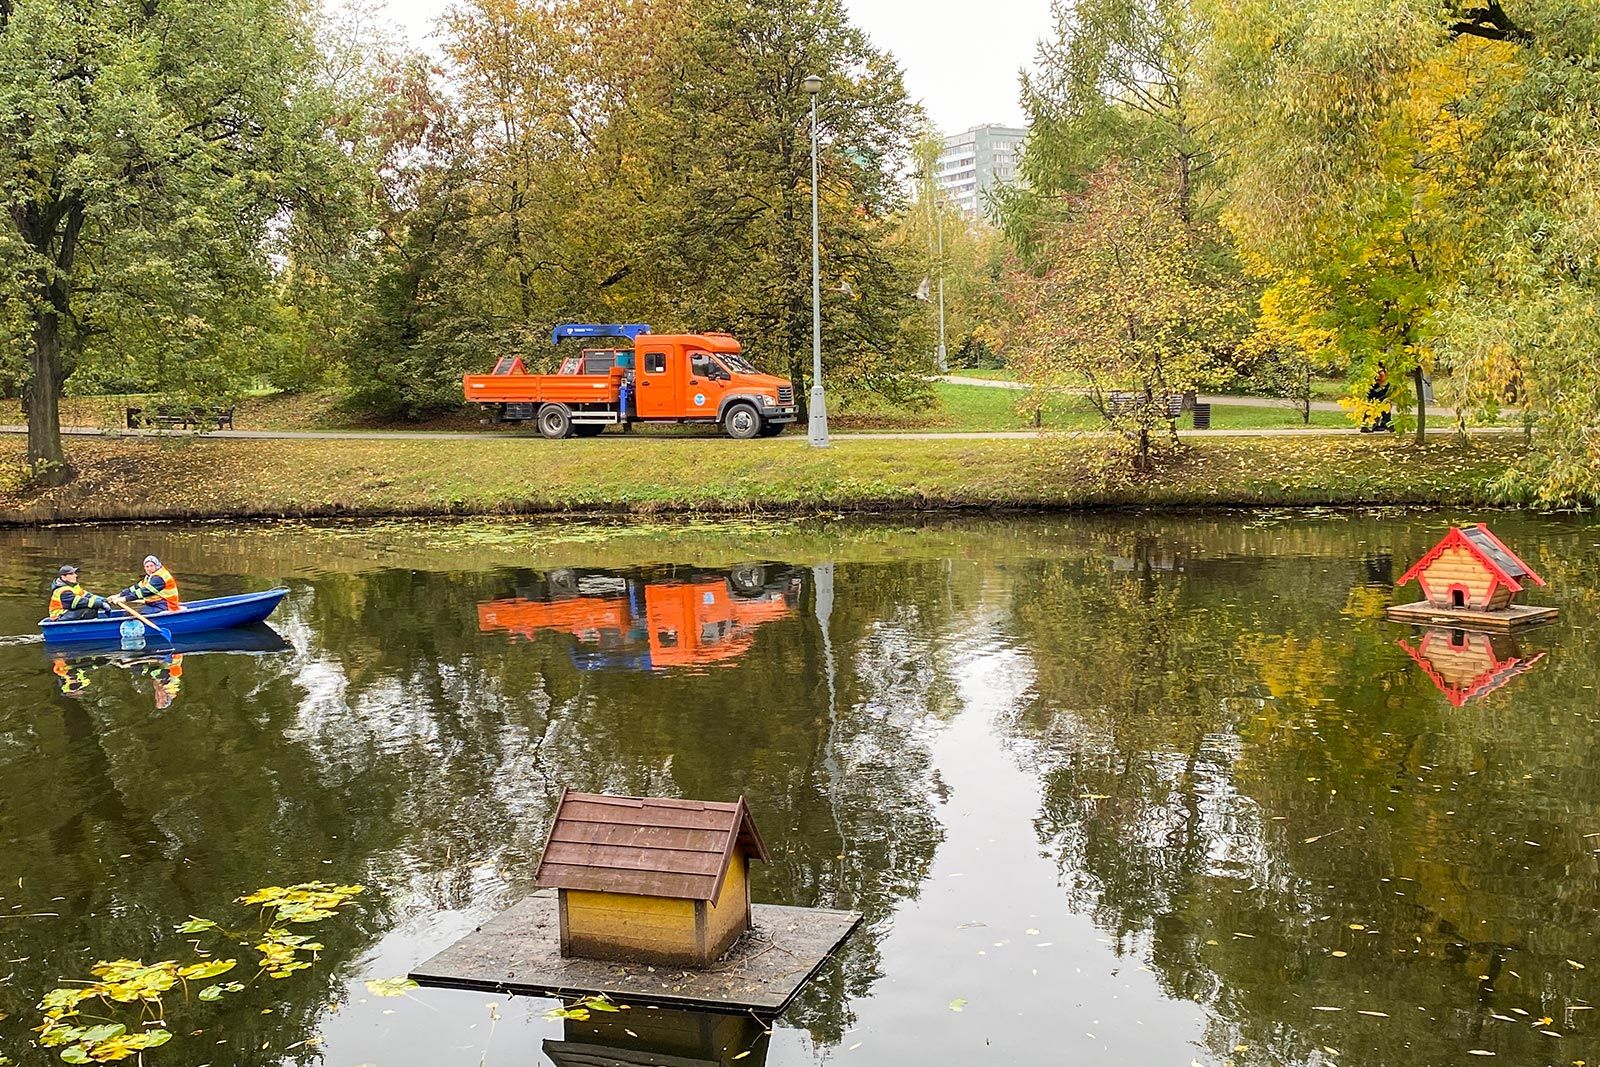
(1471, 575)
(650, 880)
(1471, 568)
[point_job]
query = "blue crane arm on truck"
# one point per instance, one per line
(630, 330)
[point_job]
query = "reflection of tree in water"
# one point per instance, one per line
(139, 821)
(1241, 779)
(465, 739)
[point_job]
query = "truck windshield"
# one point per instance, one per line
(737, 364)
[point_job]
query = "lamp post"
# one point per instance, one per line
(818, 409)
(944, 363)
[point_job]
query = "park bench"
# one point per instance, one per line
(185, 417)
(1121, 403)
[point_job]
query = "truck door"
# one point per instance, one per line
(708, 381)
(657, 387)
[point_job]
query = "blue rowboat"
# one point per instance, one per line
(200, 616)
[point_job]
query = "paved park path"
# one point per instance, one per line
(792, 435)
(1216, 399)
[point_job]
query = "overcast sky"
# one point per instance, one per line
(960, 59)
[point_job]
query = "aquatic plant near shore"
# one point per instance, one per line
(122, 984)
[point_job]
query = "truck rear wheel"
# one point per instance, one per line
(741, 422)
(555, 422)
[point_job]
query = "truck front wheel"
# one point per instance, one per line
(741, 422)
(555, 422)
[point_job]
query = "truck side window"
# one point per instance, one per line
(700, 364)
(655, 362)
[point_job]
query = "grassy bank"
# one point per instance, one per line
(188, 478)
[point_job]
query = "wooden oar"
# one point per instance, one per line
(129, 608)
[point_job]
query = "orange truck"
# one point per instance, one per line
(681, 378)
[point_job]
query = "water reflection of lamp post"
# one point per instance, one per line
(818, 422)
(822, 605)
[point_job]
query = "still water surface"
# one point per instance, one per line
(1108, 791)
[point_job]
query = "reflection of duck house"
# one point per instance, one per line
(650, 1037)
(1466, 665)
(1471, 578)
(651, 902)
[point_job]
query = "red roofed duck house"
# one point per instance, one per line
(650, 880)
(1471, 575)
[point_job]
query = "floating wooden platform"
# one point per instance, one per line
(519, 951)
(1516, 617)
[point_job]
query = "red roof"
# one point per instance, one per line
(649, 846)
(1489, 550)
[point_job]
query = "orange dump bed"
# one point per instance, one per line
(544, 388)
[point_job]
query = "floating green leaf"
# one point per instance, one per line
(208, 969)
(390, 987)
(215, 992)
(196, 925)
(958, 1004)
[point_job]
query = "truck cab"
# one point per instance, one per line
(705, 378)
(679, 378)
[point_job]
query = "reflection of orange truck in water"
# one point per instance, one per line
(646, 623)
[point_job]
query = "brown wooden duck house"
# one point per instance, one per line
(650, 880)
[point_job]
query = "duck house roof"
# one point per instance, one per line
(1489, 550)
(648, 846)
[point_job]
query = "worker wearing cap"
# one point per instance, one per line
(156, 591)
(69, 600)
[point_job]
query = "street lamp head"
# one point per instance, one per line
(813, 84)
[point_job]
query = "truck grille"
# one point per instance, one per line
(785, 394)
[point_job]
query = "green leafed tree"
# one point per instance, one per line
(1115, 78)
(733, 159)
(147, 150)
(651, 162)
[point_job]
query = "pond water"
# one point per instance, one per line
(1107, 790)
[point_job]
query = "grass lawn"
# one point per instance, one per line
(992, 374)
(975, 408)
(221, 478)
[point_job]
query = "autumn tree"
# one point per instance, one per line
(1426, 169)
(1124, 305)
(146, 149)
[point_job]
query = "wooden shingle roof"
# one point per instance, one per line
(650, 846)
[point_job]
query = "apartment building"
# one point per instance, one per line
(975, 161)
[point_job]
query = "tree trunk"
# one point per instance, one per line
(1422, 405)
(43, 401)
